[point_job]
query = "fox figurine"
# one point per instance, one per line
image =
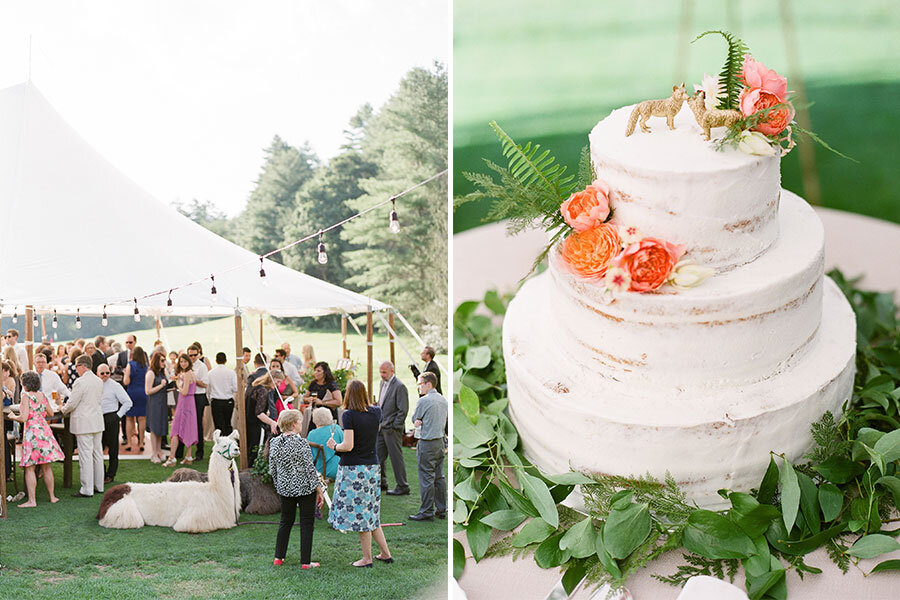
(708, 118)
(666, 107)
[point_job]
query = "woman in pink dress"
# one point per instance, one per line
(184, 424)
(38, 444)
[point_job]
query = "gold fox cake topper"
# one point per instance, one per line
(666, 107)
(711, 117)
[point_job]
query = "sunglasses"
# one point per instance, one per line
(193, 355)
(102, 373)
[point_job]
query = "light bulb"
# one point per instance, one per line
(103, 320)
(395, 222)
(34, 321)
(137, 315)
(55, 322)
(212, 292)
(323, 257)
(262, 272)
(15, 318)
(78, 319)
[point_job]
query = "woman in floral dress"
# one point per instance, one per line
(38, 444)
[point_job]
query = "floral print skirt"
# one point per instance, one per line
(356, 505)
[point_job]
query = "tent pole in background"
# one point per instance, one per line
(369, 351)
(344, 336)
(157, 327)
(43, 328)
(3, 463)
(29, 335)
(261, 336)
(239, 397)
(391, 336)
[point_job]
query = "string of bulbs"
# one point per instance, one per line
(321, 258)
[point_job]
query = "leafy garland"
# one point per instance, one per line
(841, 499)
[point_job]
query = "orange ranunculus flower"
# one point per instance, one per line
(588, 208)
(755, 100)
(587, 253)
(649, 263)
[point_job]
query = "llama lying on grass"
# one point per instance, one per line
(189, 506)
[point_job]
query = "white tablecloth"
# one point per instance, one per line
(485, 258)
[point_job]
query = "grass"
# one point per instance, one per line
(59, 551)
(549, 74)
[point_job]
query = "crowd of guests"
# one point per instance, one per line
(117, 395)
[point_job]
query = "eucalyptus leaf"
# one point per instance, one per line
(570, 478)
(758, 563)
(479, 325)
(460, 512)
(809, 503)
(470, 463)
(463, 312)
(872, 545)
(477, 357)
(478, 535)
(497, 406)
(537, 491)
(838, 469)
(625, 529)
(621, 499)
(758, 586)
(580, 539)
(711, 535)
(831, 500)
(549, 554)
(769, 483)
(779, 540)
(752, 517)
(492, 499)
(494, 303)
(892, 483)
(468, 401)
(790, 494)
(465, 432)
(475, 382)
(504, 520)
(517, 500)
(535, 530)
(608, 562)
(887, 565)
(466, 489)
(889, 446)
(459, 559)
(574, 574)
(877, 458)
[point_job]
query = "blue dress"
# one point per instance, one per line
(136, 391)
(320, 436)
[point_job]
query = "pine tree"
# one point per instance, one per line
(407, 140)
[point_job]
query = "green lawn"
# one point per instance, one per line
(59, 551)
(549, 72)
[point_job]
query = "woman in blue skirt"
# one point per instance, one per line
(356, 505)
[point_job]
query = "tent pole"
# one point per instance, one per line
(261, 336)
(369, 352)
(391, 336)
(157, 327)
(43, 328)
(29, 335)
(3, 462)
(239, 397)
(344, 336)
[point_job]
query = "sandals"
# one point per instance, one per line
(188, 461)
(388, 560)
(311, 565)
(170, 463)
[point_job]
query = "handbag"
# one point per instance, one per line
(409, 439)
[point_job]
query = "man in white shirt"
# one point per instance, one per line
(292, 358)
(289, 369)
(12, 337)
(222, 388)
(114, 403)
(50, 381)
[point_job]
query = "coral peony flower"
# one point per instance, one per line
(649, 263)
(588, 208)
(753, 142)
(765, 89)
(617, 280)
(587, 253)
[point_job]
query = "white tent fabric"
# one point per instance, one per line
(58, 193)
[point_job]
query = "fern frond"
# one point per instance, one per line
(730, 78)
(586, 175)
(532, 169)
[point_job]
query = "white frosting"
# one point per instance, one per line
(722, 205)
(742, 325)
(570, 416)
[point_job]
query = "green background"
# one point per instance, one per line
(547, 72)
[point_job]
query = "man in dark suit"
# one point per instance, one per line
(253, 424)
(430, 366)
(99, 356)
(394, 403)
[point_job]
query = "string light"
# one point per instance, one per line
(169, 308)
(103, 320)
(395, 221)
(77, 318)
(137, 315)
(55, 322)
(34, 320)
(213, 290)
(15, 318)
(262, 273)
(323, 257)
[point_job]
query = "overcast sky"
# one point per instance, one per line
(184, 95)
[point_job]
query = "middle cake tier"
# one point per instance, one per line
(740, 326)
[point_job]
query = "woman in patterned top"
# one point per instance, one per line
(297, 483)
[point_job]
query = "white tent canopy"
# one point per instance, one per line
(60, 200)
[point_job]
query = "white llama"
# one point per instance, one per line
(190, 506)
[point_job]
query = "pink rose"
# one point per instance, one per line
(648, 263)
(588, 208)
(766, 88)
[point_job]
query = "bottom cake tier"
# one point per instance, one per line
(569, 417)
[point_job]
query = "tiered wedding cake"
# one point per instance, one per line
(702, 382)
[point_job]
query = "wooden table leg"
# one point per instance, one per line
(68, 450)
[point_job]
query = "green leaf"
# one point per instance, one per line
(621, 499)
(608, 562)
(877, 458)
(537, 491)
(459, 559)
(758, 586)
(478, 535)
(626, 529)
(711, 535)
(478, 357)
(468, 401)
(778, 537)
(549, 554)
(752, 517)
(759, 563)
(769, 483)
(837, 469)
(790, 494)
(580, 539)
(517, 500)
(534, 170)
(574, 574)
(892, 483)
(460, 512)
(471, 463)
(889, 445)
(466, 489)
(492, 500)
(831, 499)
(497, 406)
(535, 530)
(480, 325)
(872, 545)
(494, 303)
(809, 503)
(570, 478)
(730, 76)
(479, 384)
(504, 520)
(887, 565)
(467, 433)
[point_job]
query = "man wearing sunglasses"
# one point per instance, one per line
(12, 337)
(201, 376)
(115, 403)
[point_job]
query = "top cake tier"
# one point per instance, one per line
(673, 185)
